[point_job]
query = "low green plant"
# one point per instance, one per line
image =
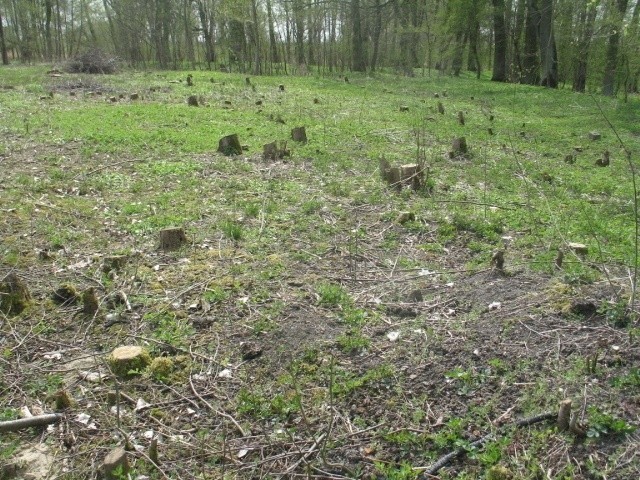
(333, 295)
(232, 229)
(605, 424)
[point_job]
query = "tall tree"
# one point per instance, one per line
(499, 42)
(586, 20)
(359, 60)
(3, 45)
(547, 42)
(617, 10)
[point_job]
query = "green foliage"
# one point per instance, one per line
(605, 424)
(333, 295)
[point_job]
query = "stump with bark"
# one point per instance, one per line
(458, 147)
(275, 151)
(410, 175)
(461, 118)
(440, 108)
(230, 145)
(299, 134)
(172, 238)
(115, 465)
(192, 101)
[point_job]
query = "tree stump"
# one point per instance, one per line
(90, 304)
(172, 238)
(113, 99)
(275, 151)
(247, 81)
(411, 175)
(134, 96)
(114, 263)
(404, 108)
(316, 101)
(389, 174)
(459, 147)
(440, 108)
(14, 295)
(65, 294)
(129, 360)
(192, 101)
(299, 134)
(115, 465)
(461, 118)
(281, 87)
(604, 161)
(230, 145)
(190, 80)
(594, 136)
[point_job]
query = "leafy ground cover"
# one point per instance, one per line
(311, 328)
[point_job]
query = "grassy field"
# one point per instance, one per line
(318, 323)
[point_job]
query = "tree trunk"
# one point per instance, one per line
(3, 45)
(500, 42)
(358, 62)
(273, 46)
(611, 58)
(586, 23)
(530, 62)
(377, 30)
(548, 51)
(207, 32)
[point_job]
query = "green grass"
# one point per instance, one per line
(304, 257)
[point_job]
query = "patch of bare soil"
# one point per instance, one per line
(258, 378)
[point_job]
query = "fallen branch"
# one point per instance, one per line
(449, 457)
(37, 421)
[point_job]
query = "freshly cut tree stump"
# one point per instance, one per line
(129, 359)
(172, 238)
(192, 101)
(412, 176)
(14, 295)
(459, 147)
(299, 134)
(115, 465)
(275, 151)
(230, 145)
(594, 136)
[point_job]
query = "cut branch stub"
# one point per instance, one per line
(275, 151)
(192, 101)
(172, 238)
(230, 145)
(14, 295)
(564, 415)
(299, 134)
(459, 147)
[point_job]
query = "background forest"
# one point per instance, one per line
(583, 44)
